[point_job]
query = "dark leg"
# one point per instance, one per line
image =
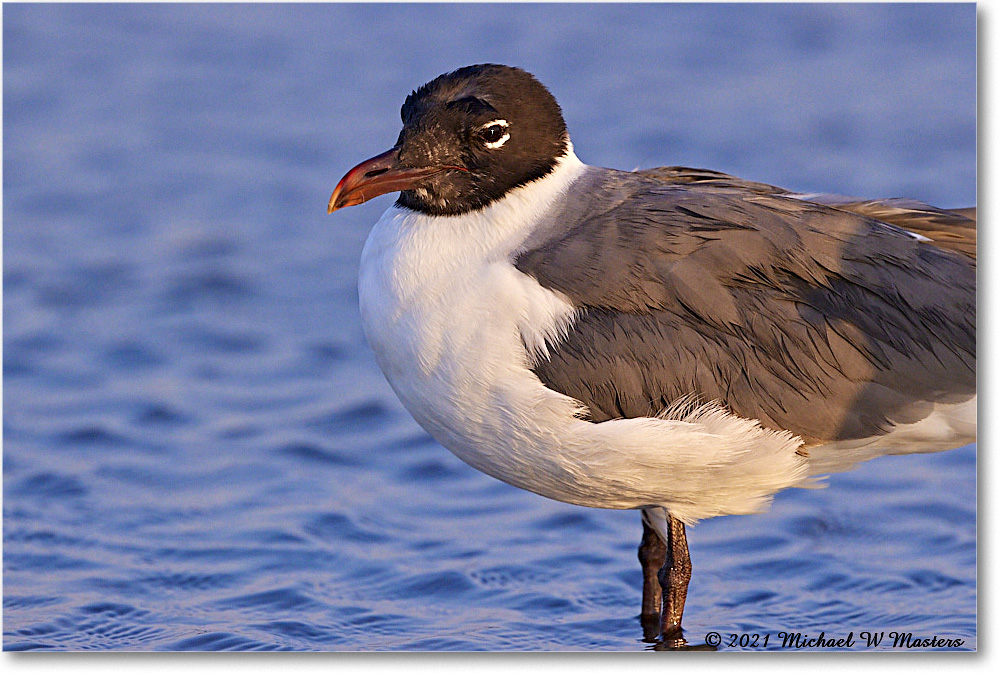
(674, 577)
(652, 556)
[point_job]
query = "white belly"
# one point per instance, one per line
(457, 362)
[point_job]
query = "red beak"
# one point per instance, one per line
(377, 176)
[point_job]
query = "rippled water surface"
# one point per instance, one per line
(199, 451)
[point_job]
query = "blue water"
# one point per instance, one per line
(199, 451)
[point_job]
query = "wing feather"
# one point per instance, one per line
(813, 319)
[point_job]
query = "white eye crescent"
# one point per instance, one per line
(494, 134)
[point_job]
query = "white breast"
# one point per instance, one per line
(454, 324)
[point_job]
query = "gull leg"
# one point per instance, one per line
(674, 577)
(652, 556)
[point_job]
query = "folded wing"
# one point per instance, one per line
(817, 319)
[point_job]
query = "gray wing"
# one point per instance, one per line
(954, 229)
(813, 319)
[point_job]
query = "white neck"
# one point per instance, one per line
(495, 230)
(510, 219)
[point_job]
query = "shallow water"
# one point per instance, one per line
(199, 452)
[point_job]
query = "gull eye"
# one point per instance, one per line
(494, 134)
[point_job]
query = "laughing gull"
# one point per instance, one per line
(673, 340)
